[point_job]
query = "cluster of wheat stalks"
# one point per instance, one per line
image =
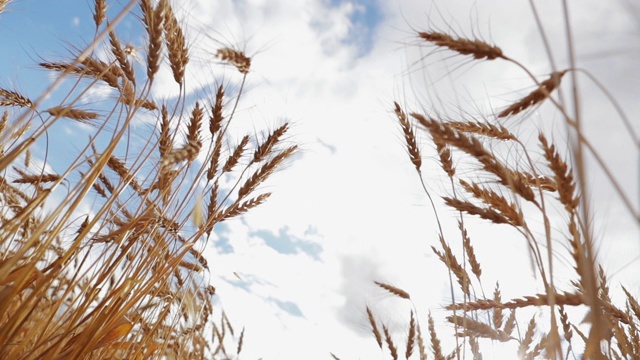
(520, 192)
(126, 278)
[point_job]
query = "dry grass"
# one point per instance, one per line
(517, 191)
(125, 279)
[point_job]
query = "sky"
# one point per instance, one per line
(298, 271)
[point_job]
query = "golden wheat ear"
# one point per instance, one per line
(390, 344)
(177, 50)
(374, 327)
(152, 19)
(409, 137)
(536, 97)
(476, 48)
(12, 98)
(235, 58)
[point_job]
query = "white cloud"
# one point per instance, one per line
(353, 184)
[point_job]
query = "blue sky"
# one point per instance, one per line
(298, 271)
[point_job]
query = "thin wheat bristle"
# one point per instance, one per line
(177, 49)
(235, 58)
(374, 327)
(72, 113)
(394, 290)
(409, 137)
(476, 48)
(543, 91)
(12, 98)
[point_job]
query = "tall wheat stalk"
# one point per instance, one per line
(127, 278)
(538, 182)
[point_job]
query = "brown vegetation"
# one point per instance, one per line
(515, 192)
(125, 279)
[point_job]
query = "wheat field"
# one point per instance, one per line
(140, 166)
